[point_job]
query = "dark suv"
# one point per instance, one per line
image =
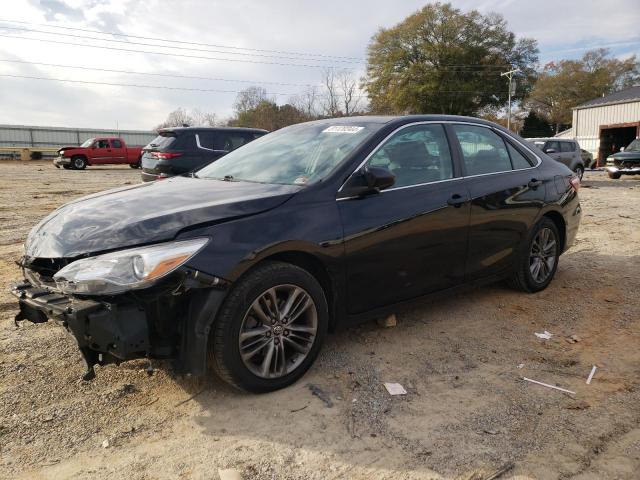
(180, 150)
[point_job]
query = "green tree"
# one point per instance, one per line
(269, 115)
(536, 126)
(568, 83)
(441, 60)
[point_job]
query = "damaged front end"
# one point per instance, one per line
(166, 319)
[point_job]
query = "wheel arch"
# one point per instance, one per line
(560, 224)
(316, 267)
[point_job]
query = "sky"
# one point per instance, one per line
(259, 40)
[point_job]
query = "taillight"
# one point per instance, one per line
(165, 155)
(575, 183)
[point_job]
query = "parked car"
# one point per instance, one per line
(176, 151)
(246, 264)
(625, 162)
(98, 151)
(564, 151)
(587, 159)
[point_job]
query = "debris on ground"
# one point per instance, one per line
(593, 372)
(395, 389)
(321, 394)
(548, 386)
(105, 443)
(500, 471)
(229, 474)
(388, 322)
(544, 335)
(572, 339)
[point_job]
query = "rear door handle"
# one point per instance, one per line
(456, 200)
(534, 183)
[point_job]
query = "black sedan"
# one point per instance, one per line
(245, 265)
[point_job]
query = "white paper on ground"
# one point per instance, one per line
(593, 372)
(395, 389)
(545, 335)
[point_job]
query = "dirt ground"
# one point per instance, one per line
(467, 412)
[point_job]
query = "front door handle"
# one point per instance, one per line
(534, 183)
(456, 200)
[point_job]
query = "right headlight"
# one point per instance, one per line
(125, 270)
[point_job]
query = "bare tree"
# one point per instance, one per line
(249, 99)
(348, 86)
(178, 118)
(307, 101)
(331, 102)
(203, 119)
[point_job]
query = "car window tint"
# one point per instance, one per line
(207, 140)
(233, 140)
(518, 160)
(553, 145)
(415, 155)
(116, 143)
(188, 142)
(483, 151)
(567, 147)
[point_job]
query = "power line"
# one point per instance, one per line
(287, 52)
(170, 46)
(58, 42)
(165, 87)
(194, 77)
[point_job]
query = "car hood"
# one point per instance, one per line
(70, 148)
(147, 213)
(626, 156)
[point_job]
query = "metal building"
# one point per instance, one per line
(46, 138)
(605, 124)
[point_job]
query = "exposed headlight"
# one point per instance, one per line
(125, 270)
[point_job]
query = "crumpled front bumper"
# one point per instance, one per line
(61, 161)
(105, 332)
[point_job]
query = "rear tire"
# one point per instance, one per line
(297, 331)
(614, 175)
(538, 259)
(78, 163)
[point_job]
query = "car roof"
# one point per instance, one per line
(401, 119)
(213, 129)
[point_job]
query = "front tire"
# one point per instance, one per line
(78, 163)
(269, 329)
(538, 260)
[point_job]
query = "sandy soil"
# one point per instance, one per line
(467, 412)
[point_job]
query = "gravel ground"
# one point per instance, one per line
(467, 412)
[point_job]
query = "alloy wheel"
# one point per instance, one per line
(278, 331)
(542, 257)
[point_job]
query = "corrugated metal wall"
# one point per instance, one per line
(587, 122)
(28, 136)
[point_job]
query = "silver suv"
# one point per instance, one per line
(563, 150)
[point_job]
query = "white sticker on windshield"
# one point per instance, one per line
(342, 129)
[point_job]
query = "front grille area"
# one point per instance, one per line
(40, 271)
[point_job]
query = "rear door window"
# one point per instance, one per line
(116, 143)
(567, 147)
(208, 140)
(554, 145)
(483, 151)
(232, 140)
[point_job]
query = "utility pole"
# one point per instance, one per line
(509, 75)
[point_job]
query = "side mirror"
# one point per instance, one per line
(549, 150)
(622, 149)
(367, 181)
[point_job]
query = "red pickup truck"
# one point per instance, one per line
(98, 151)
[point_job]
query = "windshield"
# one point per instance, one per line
(296, 155)
(88, 143)
(633, 146)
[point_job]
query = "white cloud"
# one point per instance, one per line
(330, 27)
